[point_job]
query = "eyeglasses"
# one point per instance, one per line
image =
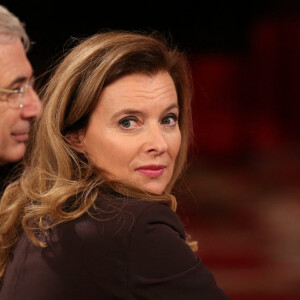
(14, 98)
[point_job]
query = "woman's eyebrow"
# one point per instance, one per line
(132, 111)
(175, 105)
(127, 111)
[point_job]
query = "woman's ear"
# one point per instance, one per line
(76, 140)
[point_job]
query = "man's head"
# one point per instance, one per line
(19, 103)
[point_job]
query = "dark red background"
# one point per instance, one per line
(241, 197)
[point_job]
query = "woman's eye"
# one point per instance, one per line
(128, 123)
(170, 120)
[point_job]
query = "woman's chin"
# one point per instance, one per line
(157, 189)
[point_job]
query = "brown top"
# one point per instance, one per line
(126, 249)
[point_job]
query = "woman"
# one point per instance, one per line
(92, 216)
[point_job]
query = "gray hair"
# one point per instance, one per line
(12, 28)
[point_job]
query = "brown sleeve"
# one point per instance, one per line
(162, 265)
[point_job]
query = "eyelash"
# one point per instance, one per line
(134, 119)
(173, 116)
(127, 119)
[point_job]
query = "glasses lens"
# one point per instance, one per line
(14, 100)
(31, 82)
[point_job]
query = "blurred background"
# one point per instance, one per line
(240, 197)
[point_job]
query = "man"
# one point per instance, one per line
(19, 103)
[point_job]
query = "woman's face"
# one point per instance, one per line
(133, 133)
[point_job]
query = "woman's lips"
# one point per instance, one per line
(151, 170)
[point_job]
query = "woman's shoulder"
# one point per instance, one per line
(114, 215)
(139, 210)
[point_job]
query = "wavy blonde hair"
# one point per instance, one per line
(58, 183)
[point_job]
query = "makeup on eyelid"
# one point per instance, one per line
(134, 119)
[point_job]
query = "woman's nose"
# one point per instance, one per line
(155, 143)
(31, 104)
